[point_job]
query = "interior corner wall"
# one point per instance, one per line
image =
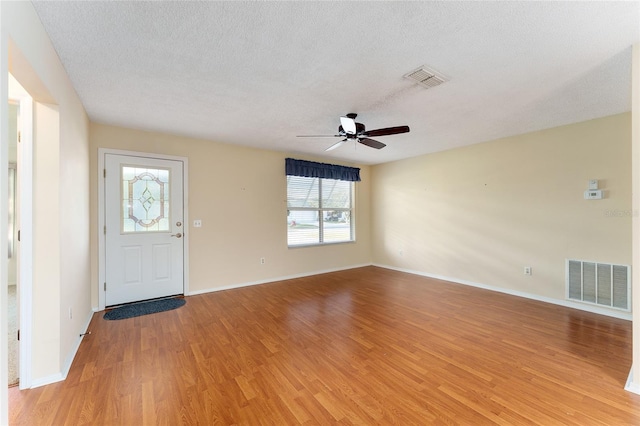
(61, 217)
(480, 214)
(239, 194)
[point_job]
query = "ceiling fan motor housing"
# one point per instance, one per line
(359, 130)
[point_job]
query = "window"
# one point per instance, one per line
(145, 199)
(319, 202)
(319, 211)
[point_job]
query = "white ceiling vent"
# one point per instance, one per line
(426, 77)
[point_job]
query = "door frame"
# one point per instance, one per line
(25, 242)
(102, 218)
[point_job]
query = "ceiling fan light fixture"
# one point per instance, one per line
(426, 77)
(348, 124)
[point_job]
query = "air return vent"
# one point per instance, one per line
(601, 284)
(426, 77)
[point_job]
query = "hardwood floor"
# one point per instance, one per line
(364, 346)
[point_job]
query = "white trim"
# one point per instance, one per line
(630, 386)
(4, 226)
(101, 214)
(272, 280)
(25, 177)
(565, 303)
(58, 377)
(48, 380)
(635, 219)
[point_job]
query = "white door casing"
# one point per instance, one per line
(144, 228)
(25, 243)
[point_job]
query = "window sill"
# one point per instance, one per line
(320, 244)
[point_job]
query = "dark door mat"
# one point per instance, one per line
(144, 308)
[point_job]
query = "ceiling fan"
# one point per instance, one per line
(350, 130)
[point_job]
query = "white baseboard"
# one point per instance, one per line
(630, 386)
(267, 281)
(58, 377)
(275, 279)
(566, 303)
(43, 381)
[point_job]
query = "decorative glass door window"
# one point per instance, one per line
(145, 199)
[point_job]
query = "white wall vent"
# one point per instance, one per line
(602, 284)
(426, 77)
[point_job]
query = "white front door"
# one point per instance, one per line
(144, 226)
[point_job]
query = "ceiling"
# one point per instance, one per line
(260, 73)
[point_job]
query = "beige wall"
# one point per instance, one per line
(240, 196)
(480, 214)
(46, 250)
(60, 194)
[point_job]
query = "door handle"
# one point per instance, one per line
(179, 235)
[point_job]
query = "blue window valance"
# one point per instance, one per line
(321, 170)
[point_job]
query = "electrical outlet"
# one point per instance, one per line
(262, 262)
(197, 223)
(527, 270)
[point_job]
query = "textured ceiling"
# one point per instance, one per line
(260, 73)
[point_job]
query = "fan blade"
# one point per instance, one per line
(319, 136)
(372, 143)
(349, 125)
(335, 145)
(386, 131)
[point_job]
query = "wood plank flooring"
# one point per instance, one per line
(364, 346)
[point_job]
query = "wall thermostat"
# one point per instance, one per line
(593, 194)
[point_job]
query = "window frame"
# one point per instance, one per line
(321, 213)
